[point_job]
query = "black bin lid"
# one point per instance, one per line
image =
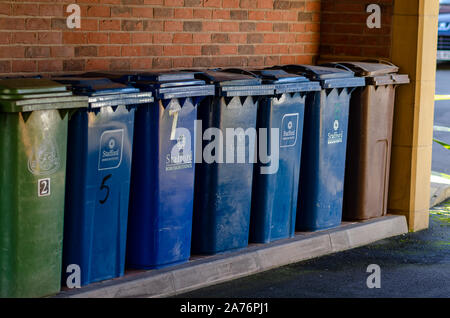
(95, 85)
(224, 78)
(284, 82)
(173, 84)
(319, 72)
(329, 77)
(168, 76)
(231, 84)
(280, 76)
(104, 92)
(121, 77)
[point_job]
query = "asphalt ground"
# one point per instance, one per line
(411, 265)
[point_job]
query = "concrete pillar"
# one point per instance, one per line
(414, 45)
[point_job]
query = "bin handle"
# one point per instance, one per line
(337, 65)
(240, 71)
(380, 61)
(192, 70)
(283, 67)
(275, 67)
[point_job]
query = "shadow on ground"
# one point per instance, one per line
(412, 265)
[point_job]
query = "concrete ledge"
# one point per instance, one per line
(204, 271)
(439, 193)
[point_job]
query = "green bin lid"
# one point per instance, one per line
(21, 86)
(29, 94)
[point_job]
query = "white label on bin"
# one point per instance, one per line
(289, 127)
(44, 158)
(180, 156)
(44, 187)
(336, 136)
(110, 153)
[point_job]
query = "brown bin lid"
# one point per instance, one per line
(388, 79)
(376, 72)
(376, 68)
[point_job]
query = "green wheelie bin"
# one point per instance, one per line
(33, 142)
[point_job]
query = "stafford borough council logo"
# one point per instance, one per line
(44, 159)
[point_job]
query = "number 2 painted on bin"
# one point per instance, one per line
(44, 187)
(103, 186)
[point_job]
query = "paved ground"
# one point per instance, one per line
(412, 265)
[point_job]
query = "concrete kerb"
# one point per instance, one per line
(209, 270)
(439, 193)
(439, 189)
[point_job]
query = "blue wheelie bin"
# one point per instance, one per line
(274, 194)
(223, 180)
(98, 177)
(322, 169)
(162, 179)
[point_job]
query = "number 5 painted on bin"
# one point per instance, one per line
(103, 186)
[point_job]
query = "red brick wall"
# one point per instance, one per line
(344, 30)
(156, 34)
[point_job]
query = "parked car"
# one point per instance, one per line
(443, 53)
(444, 6)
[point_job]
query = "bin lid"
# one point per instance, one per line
(169, 76)
(368, 68)
(121, 77)
(377, 72)
(287, 82)
(22, 86)
(193, 82)
(19, 77)
(329, 77)
(91, 86)
(282, 81)
(104, 92)
(231, 84)
(279, 76)
(30, 94)
(173, 84)
(318, 72)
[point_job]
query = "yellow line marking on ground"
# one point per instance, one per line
(441, 128)
(441, 97)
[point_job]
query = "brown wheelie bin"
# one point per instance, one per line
(370, 139)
